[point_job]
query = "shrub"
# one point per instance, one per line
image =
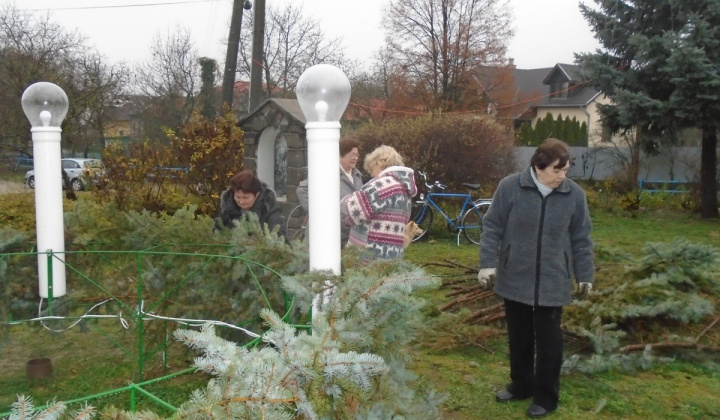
(18, 211)
(212, 152)
(200, 159)
(133, 179)
(450, 148)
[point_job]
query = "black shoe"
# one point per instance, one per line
(506, 396)
(535, 411)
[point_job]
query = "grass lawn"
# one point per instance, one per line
(470, 374)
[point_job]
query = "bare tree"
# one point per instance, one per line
(93, 88)
(292, 44)
(437, 43)
(168, 82)
(36, 49)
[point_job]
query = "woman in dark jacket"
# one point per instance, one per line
(536, 238)
(248, 194)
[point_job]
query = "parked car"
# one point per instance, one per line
(80, 171)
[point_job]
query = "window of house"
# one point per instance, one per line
(559, 89)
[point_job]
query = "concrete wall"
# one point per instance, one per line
(674, 164)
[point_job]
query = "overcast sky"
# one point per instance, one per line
(546, 31)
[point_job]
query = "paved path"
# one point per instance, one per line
(12, 187)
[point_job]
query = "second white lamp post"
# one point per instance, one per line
(323, 92)
(45, 105)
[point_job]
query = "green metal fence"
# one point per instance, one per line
(145, 294)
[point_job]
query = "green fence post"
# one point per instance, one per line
(133, 402)
(139, 316)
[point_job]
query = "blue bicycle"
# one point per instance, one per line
(468, 221)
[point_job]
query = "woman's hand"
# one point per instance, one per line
(486, 278)
(583, 289)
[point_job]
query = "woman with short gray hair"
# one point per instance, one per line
(535, 239)
(378, 213)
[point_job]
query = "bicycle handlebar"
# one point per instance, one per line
(431, 187)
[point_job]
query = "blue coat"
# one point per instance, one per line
(536, 244)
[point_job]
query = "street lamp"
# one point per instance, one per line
(323, 92)
(45, 105)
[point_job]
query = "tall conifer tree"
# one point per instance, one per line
(659, 64)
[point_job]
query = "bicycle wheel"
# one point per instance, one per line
(296, 224)
(471, 223)
(422, 214)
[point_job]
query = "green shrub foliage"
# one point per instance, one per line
(211, 152)
(17, 211)
(200, 159)
(451, 148)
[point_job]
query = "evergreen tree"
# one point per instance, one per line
(560, 132)
(569, 136)
(659, 64)
(208, 95)
(548, 128)
(525, 134)
(349, 362)
(566, 129)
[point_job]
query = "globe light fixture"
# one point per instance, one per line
(323, 92)
(46, 105)
(45, 99)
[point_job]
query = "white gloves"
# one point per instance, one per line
(486, 278)
(583, 289)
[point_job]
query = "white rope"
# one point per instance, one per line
(194, 322)
(146, 316)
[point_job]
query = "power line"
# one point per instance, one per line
(125, 5)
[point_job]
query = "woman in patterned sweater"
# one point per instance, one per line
(379, 211)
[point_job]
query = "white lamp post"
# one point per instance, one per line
(323, 92)
(45, 105)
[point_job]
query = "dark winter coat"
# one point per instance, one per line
(266, 208)
(537, 244)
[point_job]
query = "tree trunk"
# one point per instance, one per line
(708, 173)
(635, 159)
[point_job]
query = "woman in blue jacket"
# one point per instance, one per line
(535, 240)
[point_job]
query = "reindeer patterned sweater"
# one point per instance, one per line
(379, 211)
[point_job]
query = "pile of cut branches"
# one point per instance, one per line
(466, 293)
(664, 301)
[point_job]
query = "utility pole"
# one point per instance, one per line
(228, 85)
(256, 66)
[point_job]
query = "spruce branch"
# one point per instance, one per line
(669, 345)
(706, 329)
